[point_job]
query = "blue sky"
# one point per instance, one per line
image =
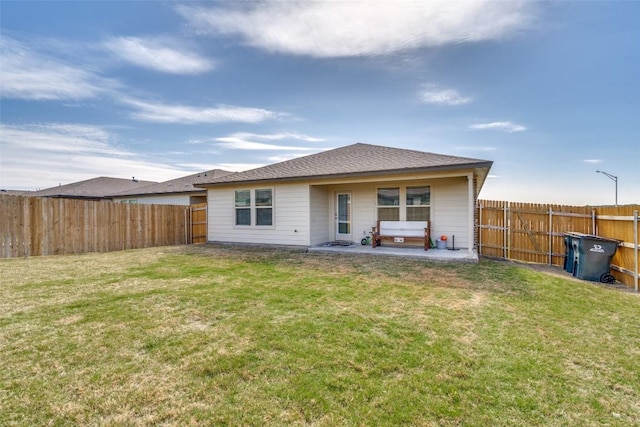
(550, 91)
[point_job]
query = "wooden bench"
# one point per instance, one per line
(400, 231)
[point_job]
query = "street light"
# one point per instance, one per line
(612, 178)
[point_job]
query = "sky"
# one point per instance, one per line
(548, 91)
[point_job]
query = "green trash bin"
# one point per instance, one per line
(593, 255)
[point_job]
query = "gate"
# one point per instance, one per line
(198, 223)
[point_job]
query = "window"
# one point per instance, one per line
(389, 204)
(243, 207)
(254, 207)
(264, 207)
(418, 203)
(404, 203)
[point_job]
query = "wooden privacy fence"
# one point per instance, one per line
(198, 223)
(32, 226)
(535, 232)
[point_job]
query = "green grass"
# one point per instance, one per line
(223, 336)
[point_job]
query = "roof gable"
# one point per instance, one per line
(179, 185)
(91, 188)
(356, 159)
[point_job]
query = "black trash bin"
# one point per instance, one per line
(592, 257)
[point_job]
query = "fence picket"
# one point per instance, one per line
(35, 226)
(534, 232)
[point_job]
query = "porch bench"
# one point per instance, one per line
(400, 231)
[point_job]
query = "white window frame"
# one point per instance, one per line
(253, 208)
(402, 202)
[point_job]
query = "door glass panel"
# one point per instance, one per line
(343, 207)
(344, 215)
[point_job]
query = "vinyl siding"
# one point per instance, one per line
(320, 220)
(173, 199)
(291, 213)
(305, 214)
(450, 213)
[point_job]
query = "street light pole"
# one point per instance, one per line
(612, 178)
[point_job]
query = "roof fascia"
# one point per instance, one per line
(374, 175)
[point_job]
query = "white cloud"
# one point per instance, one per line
(246, 141)
(432, 94)
(58, 138)
(159, 54)
(231, 167)
(499, 126)
(42, 156)
(155, 112)
(285, 157)
(279, 136)
(28, 74)
(472, 148)
(360, 28)
(235, 143)
(592, 161)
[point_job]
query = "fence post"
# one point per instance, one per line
(480, 228)
(550, 234)
(593, 222)
(635, 249)
(504, 231)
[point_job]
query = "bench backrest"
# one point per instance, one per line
(403, 228)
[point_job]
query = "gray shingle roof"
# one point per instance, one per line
(356, 159)
(178, 185)
(95, 188)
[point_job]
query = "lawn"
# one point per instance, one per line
(226, 336)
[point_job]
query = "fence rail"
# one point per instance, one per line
(32, 226)
(535, 232)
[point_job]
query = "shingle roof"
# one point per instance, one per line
(15, 192)
(356, 159)
(94, 188)
(178, 185)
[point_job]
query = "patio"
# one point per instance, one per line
(445, 255)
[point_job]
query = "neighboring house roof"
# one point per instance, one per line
(95, 188)
(353, 160)
(178, 185)
(15, 192)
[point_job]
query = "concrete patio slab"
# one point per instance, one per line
(446, 255)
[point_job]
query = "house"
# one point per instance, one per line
(92, 189)
(338, 195)
(179, 191)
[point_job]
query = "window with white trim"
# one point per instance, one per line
(418, 203)
(264, 207)
(243, 207)
(404, 203)
(389, 204)
(254, 207)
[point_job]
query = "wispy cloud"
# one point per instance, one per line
(231, 167)
(41, 156)
(163, 113)
(432, 94)
(59, 138)
(592, 161)
(236, 143)
(278, 136)
(358, 28)
(499, 126)
(472, 148)
(160, 54)
(27, 73)
(285, 157)
(247, 141)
